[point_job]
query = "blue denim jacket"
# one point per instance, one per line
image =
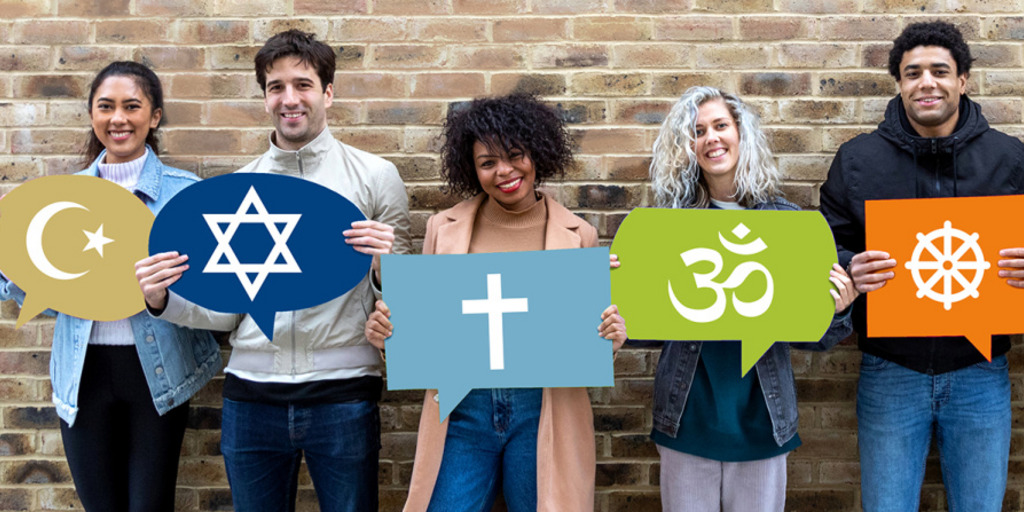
(177, 361)
(678, 364)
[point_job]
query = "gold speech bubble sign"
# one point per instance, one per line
(71, 243)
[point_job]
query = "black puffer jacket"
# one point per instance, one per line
(893, 162)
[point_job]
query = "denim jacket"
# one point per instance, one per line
(678, 365)
(177, 361)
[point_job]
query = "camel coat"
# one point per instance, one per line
(565, 441)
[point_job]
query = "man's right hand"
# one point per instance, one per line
(156, 273)
(865, 270)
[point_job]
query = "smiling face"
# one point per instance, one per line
(931, 90)
(297, 102)
(507, 177)
(122, 116)
(717, 145)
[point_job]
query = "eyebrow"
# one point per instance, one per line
(909, 67)
(129, 100)
(713, 121)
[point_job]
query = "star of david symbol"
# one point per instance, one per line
(261, 270)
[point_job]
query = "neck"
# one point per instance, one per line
(942, 130)
(287, 145)
(722, 189)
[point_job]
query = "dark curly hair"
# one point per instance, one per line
(931, 33)
(516, 121)
(299, 44)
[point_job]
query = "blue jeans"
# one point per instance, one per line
(897, 411)
(492, 437)
(263, 445)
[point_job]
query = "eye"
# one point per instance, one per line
(700, 132)
(132, 107)
(941, 72)
(515, 155)
(721, 126)
(273, 88)
(912, 74)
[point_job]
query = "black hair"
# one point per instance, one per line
(931, 33)
(516, 121)
(299, 44)
(147, 80)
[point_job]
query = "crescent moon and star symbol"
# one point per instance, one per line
(34, 240)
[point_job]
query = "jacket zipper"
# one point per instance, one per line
(302, 174)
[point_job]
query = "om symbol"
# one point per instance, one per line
(736, 279)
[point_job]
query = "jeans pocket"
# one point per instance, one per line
(869, 363)
(998, 364)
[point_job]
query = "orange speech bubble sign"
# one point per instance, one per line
(947, 262)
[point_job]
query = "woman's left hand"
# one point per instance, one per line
(845, 292)
(613, 327)
(613, 261)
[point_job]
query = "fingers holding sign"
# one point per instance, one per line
(869, 270)
(1012, 266)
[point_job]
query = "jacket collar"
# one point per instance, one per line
(149, 179)
(306, 159)
(561, 232)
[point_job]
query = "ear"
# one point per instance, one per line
(329, 95)
(154, 120)
(963, 82)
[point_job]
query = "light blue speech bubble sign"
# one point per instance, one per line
(260, 243)
(757, 276)
(500, 320)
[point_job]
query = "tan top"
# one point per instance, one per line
(566, 459)
(496, 229)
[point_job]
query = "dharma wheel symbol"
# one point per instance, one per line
(947, 264)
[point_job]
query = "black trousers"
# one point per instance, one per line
(123, 456)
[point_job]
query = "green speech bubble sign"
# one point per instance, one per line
(758, 276)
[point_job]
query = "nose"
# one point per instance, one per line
(712, 136)
(119, 116)
(289, 97)
(927, 79)
(504, 166)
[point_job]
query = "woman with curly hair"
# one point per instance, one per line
(538, 444)
(723, 439)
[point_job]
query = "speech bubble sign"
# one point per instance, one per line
(500, 320)
(946, 277)
(260, 243)
(71, 243)
(757, 276)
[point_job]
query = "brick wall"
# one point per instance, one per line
(814, 68)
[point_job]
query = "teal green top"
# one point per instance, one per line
(725, 417)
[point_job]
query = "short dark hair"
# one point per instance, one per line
(516, 121)
(299, 44)
(931, 33)
(147, 80)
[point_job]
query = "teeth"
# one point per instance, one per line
(510, 185)
(716, 153)
(292, 116)
(119, 134)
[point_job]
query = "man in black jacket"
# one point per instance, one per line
(933, 142)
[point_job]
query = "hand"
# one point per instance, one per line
(864, 269)
(378, 327)
(1015, 264)
(156, 273)
(845, 292)
(371, 237)
(613, 327)
(613, 261)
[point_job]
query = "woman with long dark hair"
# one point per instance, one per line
(122, 388)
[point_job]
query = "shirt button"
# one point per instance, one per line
(150, 339)
(693, 347)
(170, 403)
(159, 370)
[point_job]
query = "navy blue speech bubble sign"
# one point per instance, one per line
(260, 243)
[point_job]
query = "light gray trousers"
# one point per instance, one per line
(695, 484)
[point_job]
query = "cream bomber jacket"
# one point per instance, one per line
(326, 339)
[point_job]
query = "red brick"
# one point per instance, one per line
(374, 139)
(653, 6)
(448, 29)
(24, 363)
(487, 57)
(28, 335)
(774, 28)
(319, 8)
(819, 6)
(610, 84)
(996, 55)
(406, 7)
(90, 58)
(693, 28)
(138, 31)
(13, 9)
(369, 85)
(406, 56)
(47, 140)
(50, 32)
(804, 195)
(447, 85)
(666, 55)
(205, 86)
(404, 112)
(576, 7)
(775, 84)
(167, 58)
(423, 197)
(369, 29)
(612, 28)
(628, 168)
(264, 29)
(903, 6)
(856, 84)
(173, 7)
(731, 57)
(675, 84)
(574, 56)
(25, 58)
(212, 31)
(793, 139)
(521, 29)
(608, 140)
(817, 55)
(833, 137)
(93, 7)
(488, 6)
(415, 169)
(581, 112)
(632, 111)
(969, 25)
(552, 84)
